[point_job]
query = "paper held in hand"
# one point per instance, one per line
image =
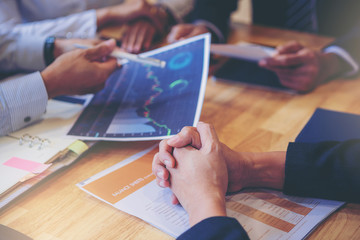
(243, 50)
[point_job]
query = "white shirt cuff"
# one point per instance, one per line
(26, 99)
(346, 56)
(213, 28)
(30, 53)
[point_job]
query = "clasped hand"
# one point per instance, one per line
(197, 168)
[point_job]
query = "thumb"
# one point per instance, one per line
(289, 47)
(101, 50)
(207, 135)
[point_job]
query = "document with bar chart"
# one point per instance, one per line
(265, 214)
(143, 102)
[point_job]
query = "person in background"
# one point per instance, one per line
(200, 170)
(23, 99)
(49, 28)
(297, 66)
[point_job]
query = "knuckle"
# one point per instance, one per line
(308, 52)
(155, 158)
(175, 28)
(186, 130)
(206, 125)
(162, 145)
(312, 70)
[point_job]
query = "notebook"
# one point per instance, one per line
(30, 151)
(328, 125)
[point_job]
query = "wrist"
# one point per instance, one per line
(162, 18)
(266, 170)
(48, 75)
(208, 206)
(103, 16)
(330, 65)
(58, 47)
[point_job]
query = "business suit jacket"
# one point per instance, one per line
(323, 170)
(335, 18)
(339, 19)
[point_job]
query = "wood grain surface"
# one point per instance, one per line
(246, 119)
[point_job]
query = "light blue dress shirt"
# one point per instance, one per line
(24, 26)
(35, 20)
(23, 100)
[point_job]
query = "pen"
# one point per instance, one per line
(131, 57)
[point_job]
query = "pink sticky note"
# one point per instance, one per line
(27, 165)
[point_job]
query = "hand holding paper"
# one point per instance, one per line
(301, 68)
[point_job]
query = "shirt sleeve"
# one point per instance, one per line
(324, 170)
(23, 45)
(225, 228)
(82, 24)
(23, 100)
(347, 47)
(78, 25)
(345, 56)
(21, 52)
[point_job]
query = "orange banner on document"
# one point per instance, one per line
(122, 182)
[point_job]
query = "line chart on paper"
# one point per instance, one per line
(143, 102)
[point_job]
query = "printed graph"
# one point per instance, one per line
(267, 214)
(142, 102)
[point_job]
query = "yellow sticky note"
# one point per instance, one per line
(78, 147)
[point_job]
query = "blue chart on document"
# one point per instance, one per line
(143, 102)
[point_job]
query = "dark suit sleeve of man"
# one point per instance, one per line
(216, 12)
(328, 170)
(215, 228)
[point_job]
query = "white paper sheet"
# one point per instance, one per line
(243, 50)
(264, 214)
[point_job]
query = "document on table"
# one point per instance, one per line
(265, 214)
(143, 102)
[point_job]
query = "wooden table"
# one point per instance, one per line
(246, 119)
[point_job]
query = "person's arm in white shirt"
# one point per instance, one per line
(77, 24)
(21, 52)
(23, 100)
(22, 44)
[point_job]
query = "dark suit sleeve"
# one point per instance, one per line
(216, 12)
(216, 228)
(329, 170)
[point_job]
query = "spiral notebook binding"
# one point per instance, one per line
(34, 141)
